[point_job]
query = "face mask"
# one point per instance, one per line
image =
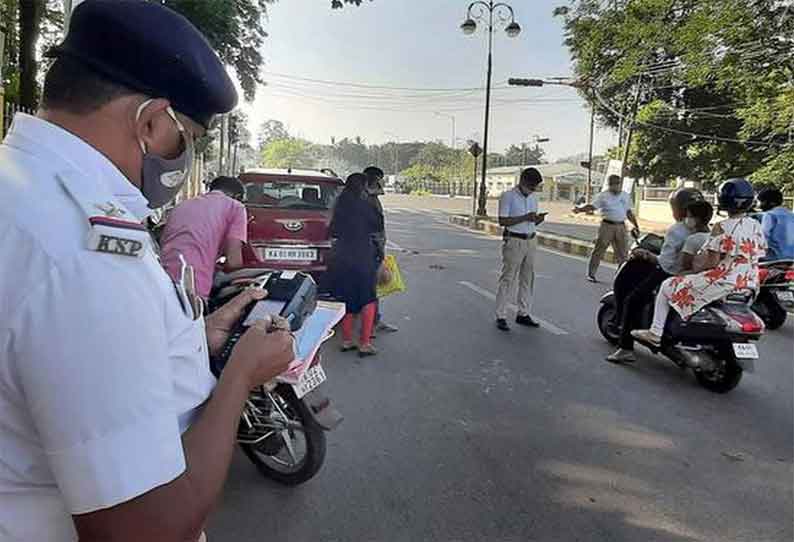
(161, 179)
(691, 223)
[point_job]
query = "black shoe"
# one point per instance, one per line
(501, 323)
(591, 278)
(526, 320)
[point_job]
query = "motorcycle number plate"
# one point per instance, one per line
(745, 351)
(786, 296)
(313, 377)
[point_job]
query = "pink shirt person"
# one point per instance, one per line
(197, 229)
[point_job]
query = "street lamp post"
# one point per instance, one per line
(484, 11)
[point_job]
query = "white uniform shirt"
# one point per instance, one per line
(513, 204)
(101, 370)
(613, 207)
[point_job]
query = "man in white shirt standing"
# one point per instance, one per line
(518, 214)
(615, 207)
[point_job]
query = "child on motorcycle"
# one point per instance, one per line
(698, 217)
(637, 288)
(731, 264)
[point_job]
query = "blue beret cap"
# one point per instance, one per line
(152, 50)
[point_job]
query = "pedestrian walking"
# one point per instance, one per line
(615, 208)
(518, 214)
(352, 272)
(375, 191)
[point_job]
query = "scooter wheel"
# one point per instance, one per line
(722, 380)
(606, 323)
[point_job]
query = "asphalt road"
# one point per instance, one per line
(457, 432)
(560, 220)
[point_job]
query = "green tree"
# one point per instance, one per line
(271, 130)
(524, 155)
(235, 28)
(715, 79)
(288, 153)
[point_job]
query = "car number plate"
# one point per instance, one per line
(291, 254)
(786, 296)
(313, 377)
(745, 351)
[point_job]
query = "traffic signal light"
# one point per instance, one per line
(517, 82)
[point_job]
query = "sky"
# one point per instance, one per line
(417, 45)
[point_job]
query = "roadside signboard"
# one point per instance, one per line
(615, 167)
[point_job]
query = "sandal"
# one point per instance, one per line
(367, 350)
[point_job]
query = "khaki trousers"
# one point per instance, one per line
(608, 234)
(518, 265)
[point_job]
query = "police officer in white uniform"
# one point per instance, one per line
(615, 207)
(111, 424)
(518, 214)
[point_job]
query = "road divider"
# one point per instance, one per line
(548, 326)
(552, 241)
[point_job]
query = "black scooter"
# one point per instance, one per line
(716, 343)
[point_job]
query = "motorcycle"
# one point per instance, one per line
(776, 298)
(283, 425)
(716, 343)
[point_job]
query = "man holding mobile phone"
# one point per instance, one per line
(518, 214)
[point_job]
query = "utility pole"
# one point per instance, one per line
(235, 166)
(636, 106)
(589, 187)
(221, 155)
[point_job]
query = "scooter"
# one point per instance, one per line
(716, 343)
(776, 298)
(282, 428)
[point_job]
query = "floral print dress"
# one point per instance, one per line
(741, 244)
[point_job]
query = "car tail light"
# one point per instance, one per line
(763, 273)
(790, 275)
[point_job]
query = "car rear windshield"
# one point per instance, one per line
(291, 195)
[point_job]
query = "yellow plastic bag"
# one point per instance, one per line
(396, 284)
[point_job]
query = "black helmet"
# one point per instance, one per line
(736, 195)
(769, 198)
(684, 196)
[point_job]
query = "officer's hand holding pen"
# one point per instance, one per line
(264, 351)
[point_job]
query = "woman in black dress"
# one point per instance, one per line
(353, 269)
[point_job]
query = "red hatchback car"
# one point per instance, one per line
(289, 212)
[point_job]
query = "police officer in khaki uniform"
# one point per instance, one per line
(111, 425)
(616, 207)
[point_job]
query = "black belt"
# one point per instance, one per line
(524, 236)
(614, 223)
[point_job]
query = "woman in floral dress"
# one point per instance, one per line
(731, 263)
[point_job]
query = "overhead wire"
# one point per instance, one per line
(669, 129)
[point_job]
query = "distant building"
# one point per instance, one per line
(562, 182)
